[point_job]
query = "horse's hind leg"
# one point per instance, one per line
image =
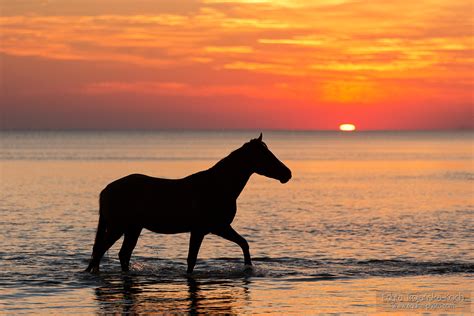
(129, 243)
(230, 234)
(101, 246)
(194, 245)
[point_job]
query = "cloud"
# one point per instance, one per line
(292, 41)
(281, 37)
(178, 89)
(229, 49)
(331, 51)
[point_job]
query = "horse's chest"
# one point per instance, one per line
(215, 212)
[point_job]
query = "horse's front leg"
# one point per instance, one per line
(230, 234)
(194, 245)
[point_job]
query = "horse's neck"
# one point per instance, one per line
(232, 174)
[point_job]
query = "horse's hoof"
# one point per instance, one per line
(248, 267)
(95, 270)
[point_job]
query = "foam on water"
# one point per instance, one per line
(57, 275)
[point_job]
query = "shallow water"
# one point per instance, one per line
(364, 213)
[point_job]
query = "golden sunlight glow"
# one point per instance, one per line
(347, 127)
(350, 91)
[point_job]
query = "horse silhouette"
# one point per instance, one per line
(202, 203)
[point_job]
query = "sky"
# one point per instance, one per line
(249, 64)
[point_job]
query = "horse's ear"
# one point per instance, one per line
(260, 137)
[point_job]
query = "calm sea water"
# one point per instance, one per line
(365, 213)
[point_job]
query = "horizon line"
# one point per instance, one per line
(462, 129)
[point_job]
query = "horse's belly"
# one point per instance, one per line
(167, 220)
(167, 228)
(145, 206)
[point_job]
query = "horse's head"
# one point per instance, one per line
(265, 163)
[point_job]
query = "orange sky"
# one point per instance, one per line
(236, 64)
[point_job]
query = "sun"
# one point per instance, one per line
(347, 127)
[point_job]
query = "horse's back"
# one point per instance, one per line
(137, 181)
(139, 188)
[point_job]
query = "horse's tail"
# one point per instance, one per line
(99, 235)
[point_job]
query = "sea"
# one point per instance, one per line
(370, 223)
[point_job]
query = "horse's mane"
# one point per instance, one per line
(230, 159)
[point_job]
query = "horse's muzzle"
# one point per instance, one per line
(286, 178)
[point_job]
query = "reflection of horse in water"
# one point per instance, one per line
(129, 294)
(202, 203)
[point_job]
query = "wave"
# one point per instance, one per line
(459, 175)
(303, 269)
(104, 158)
(149, 271)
